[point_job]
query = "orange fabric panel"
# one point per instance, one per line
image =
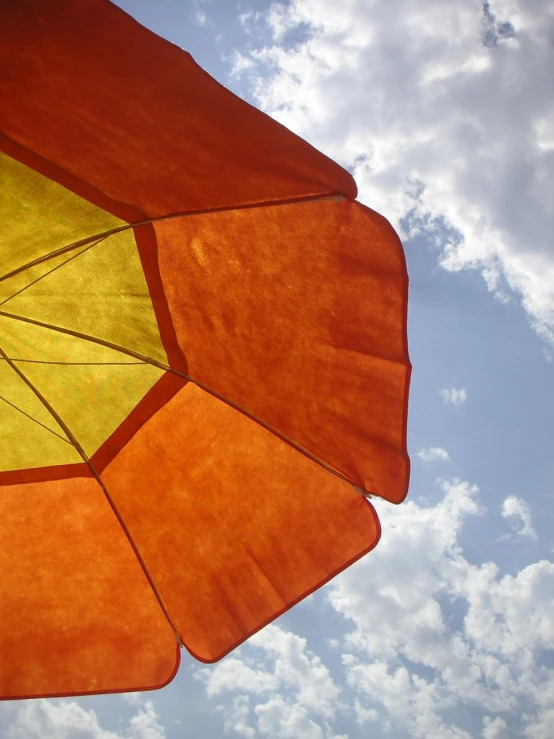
(235, 526)
(297, 313)
(77, 614)
(112, 104)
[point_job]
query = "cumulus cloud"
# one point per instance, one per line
(495, 728)
(433, 631)
(454, 396)
(516, 511)
(281, 690)
(68, 720)
(444, 114)
(433, 454)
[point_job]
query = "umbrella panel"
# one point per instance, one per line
(77, 613)
(235, 526)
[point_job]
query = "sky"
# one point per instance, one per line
(444, 114)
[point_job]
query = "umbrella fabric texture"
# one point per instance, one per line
(203, 359)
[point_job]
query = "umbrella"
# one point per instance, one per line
(203, 359)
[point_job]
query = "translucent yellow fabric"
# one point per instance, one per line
(97, 291)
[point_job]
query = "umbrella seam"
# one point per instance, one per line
(74, 364)
(32, 418)
(202, 386)
(333, 196)
(95, 473)
(62, 264)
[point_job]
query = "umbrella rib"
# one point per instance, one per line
(17, 408)
(63, 250)
(49, 272)
(76, 364)
(202, 386)
(75, 443)
(93, 339)
(335, 196)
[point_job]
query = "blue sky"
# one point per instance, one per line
(443, 112)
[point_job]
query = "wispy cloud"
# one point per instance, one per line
(516, 512)
(200, 17)
(433, 454)
(454, 396)
(241, 64)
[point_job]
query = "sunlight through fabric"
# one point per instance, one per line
(203, 359)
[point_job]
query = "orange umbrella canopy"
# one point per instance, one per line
(203, 359)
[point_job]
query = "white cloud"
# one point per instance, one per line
(444, 113)
(454, 396)
(299, 670)
(433, 631)
(433, 454)
(241, 64)
(285, 689)
(200, 17)
(495, 728)
(234, 675)
(145, 724)
(237, 717)
(516, 511)
(543, 728)
(68, 720)
(278, 718)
